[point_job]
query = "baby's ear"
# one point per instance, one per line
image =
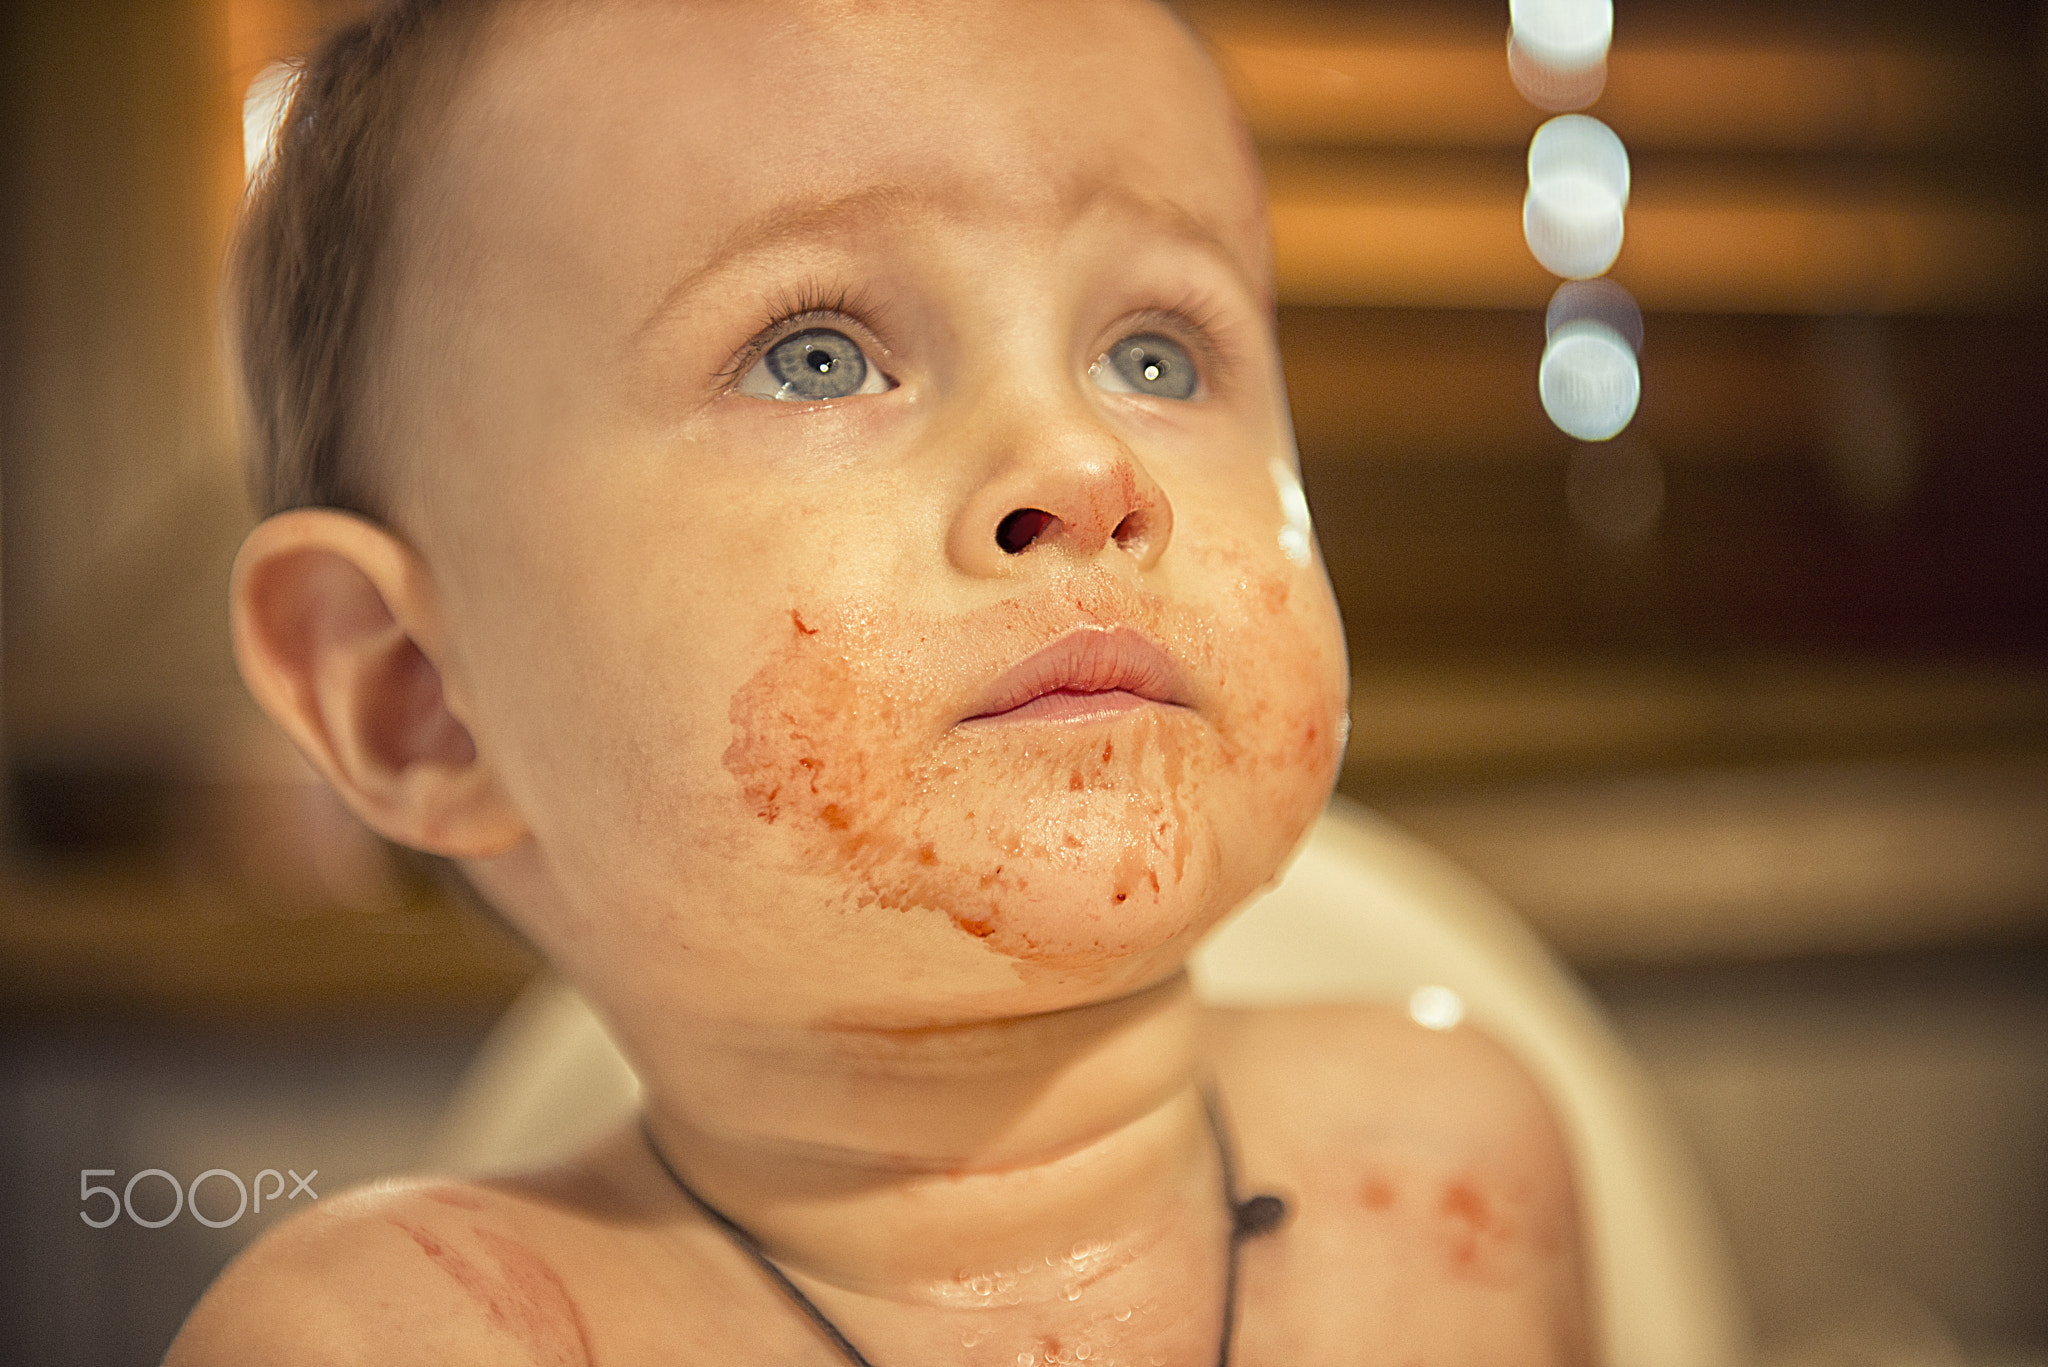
(337, 635)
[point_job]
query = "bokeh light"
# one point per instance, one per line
(1557, 50)
(1567, 34)
(1615, 491)
(1589, 381)
(1578, 190)
(1603, 301)
(1435, 1007)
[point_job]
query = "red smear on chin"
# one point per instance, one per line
(1059, 844)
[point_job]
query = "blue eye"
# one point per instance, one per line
(1147, 363)
(812, 365)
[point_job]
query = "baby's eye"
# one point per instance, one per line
(1147, 363)
(817, 363)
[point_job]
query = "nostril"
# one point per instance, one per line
(1132, 533)
(1020, 529)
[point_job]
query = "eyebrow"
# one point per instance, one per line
(797, 219)
(1170, 214)
(790, 221)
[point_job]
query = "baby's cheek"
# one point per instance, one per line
(1284, 729)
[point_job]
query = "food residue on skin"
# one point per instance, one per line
(525, 1298)
(1464, 1225)
(461, 1200)
(1467, 1217)
(1479, 1236)
(1057, 845)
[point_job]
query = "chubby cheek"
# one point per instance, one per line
(1065, 844)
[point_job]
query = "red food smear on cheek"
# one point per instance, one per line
(1058, 845)
(1376, 1193)
(524, 1298)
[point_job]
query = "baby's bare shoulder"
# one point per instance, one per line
(1351, 1070)
(426, 1272)
(1430, 1183)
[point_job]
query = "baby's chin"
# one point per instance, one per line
(1098, 847)
(1066, 845)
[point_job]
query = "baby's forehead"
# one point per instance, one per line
(599, 155)
(723, 108)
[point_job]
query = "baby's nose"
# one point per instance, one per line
(1079, 501)
(1100, 506)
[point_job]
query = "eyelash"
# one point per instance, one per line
(1195, 323)
(791, 312)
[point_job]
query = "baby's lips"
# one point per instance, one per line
(1085, 661)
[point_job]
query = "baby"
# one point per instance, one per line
(793, 496)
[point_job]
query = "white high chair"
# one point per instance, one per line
(1364, 913)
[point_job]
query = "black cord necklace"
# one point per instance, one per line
(1248, 1219)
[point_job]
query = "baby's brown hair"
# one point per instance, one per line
(311, 269)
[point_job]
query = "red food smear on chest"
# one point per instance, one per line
(522, 1295)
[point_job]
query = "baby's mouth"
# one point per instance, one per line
(1088, 673)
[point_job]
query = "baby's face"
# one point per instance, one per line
(848, 442)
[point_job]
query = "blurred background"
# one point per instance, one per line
(1746, 710)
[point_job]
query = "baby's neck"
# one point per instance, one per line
(893, 1162)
